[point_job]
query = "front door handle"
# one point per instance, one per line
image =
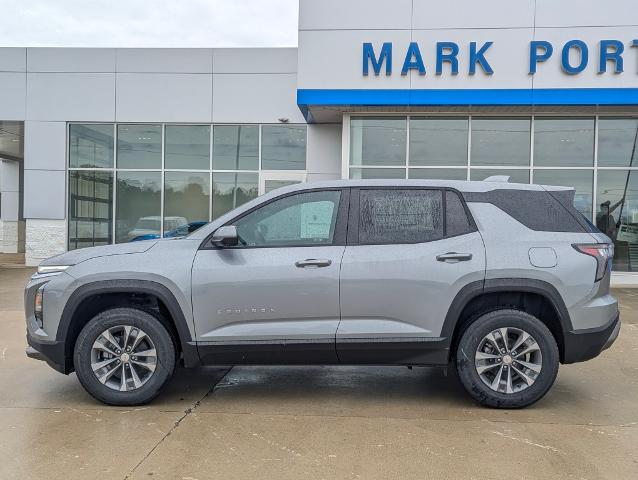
(313, 263)
(453, 257)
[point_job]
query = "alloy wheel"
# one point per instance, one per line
(508, 360)
(123, 358)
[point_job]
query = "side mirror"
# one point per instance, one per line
(225, 237)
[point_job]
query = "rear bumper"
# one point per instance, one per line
(581, 345)
(52, 353)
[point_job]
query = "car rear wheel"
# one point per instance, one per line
(507, 359)
(124, 356)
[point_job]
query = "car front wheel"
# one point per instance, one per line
(507, 359)
(124, 356)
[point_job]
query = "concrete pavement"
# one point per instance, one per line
(315, 422)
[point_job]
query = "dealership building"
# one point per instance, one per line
(102, 146)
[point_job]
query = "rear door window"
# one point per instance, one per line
(394, 216)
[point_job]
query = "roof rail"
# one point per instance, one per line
(498, 178)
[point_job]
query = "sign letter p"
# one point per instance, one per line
(536, 57)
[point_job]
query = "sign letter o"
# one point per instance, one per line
(584, 57)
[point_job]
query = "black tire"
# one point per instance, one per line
(161, 338)
(482, 326)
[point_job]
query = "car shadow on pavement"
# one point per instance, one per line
(328, 389)
(294, 386)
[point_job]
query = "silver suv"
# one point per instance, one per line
(505, 281)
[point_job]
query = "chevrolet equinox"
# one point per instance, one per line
(505, 281)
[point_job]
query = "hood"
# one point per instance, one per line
(76, 256)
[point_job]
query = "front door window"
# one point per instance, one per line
(302, 219)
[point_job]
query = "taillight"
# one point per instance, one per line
(602, 252)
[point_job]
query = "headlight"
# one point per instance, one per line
(52, 268)
(37, 305)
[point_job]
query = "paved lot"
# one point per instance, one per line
(318, 422)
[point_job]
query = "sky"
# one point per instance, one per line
(148, 23)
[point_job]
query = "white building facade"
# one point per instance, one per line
(104, 146)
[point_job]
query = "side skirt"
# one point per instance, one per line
(346, 351)
(268, 352)
(393, 351)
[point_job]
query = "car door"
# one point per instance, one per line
(274, 298)
(409, 252)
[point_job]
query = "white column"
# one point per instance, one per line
(323, 158)
(44, 190)
(44, 238)
(11, 228)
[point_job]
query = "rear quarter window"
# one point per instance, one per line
(537, 210)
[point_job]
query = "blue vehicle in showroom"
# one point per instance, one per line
(180, 231)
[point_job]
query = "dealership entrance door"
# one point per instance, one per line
(272, 179)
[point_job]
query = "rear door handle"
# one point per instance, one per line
(453, 257)
(313, 263)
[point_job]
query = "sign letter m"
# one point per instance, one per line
(369, 57)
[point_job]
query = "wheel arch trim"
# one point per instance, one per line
(515, 285)
(149, 287)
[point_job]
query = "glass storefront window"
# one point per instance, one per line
(438, 141)
(370, 173)
(138, 163)
(500, 141)
(91, 146)
(283, 147)
(139, 146)
(187, 147)
(617, 138)
(271, 185)
(378, 141)
(516, 175)
(138, 205)
(603, 174)
(231, 190)
(581, 180)
(438, 173)
(235, 147)
(90, 208)
(186, 199)
(564, 142)
(617, 215)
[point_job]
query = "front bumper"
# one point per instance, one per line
(42, 337)
(581, 345)
(52, 353)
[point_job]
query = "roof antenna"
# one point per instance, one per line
(498, 178)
